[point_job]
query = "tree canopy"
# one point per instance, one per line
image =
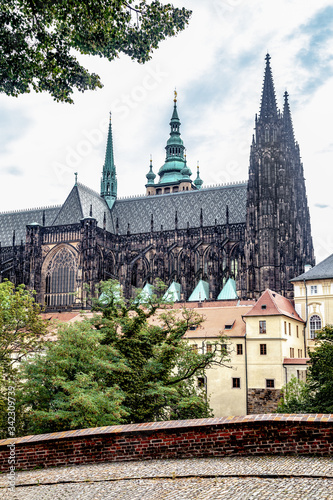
(128, 364)
(21, 335)
(316, 394)
(40, 40)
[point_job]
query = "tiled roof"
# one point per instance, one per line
(17, 221)
(296, 361)
(273, 304)
(77, 206)
(321, 271)
(216, 319)
(188, 204)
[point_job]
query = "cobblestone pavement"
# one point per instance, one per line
(245, 478)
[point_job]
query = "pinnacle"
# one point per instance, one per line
(268, 107)
(287, 121)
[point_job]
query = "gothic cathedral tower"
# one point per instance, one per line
(278, 242)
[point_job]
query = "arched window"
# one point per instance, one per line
(315, 325)
(60, 282)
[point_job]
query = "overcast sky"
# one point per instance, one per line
(217, 65)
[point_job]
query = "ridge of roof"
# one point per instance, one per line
(23, 210)
(281, 305)
(321, 271)
(206, 188)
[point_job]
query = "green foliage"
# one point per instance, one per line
(21, 333)
(38, 40)
(66, 387)
(161, 381)
(129, 363)
(294, 395)
(316, 395)
(320, 373)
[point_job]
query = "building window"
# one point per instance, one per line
(285, 328)
(195, 347)
(193, 327)
(201, 382)
(262, 326)
(60, 282)
(315, 324)
(289, 324)
(314, 289)
(297, 335)
(300, 353)
(270, 383)
(263, 349)
(236, 383)
(239, 349)
(292, 352)
(264, 306)
(209, 347)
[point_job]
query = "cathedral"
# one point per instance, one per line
(227, 241)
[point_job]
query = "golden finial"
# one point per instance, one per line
(198, 165)
(151, 159)
(175, 97)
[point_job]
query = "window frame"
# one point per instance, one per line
(268, 380)
(234, 384)
(263, 349)
(262, 327)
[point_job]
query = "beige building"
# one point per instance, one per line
(313, 292)
(265, 344)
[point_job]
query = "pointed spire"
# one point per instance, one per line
(109, 176)
(198, 182)
(287, 121)
(150, 176)
(268, 107)
(75, 173)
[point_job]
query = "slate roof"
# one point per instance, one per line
(77, 206)
(273, 304)
(18, 220)
(134, 211)
(321, 271)
(188, 204)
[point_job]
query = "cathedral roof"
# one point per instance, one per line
(323, 270)
(84, 202)
(185, 206)
(18, 220)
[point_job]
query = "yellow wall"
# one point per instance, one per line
(320, 303)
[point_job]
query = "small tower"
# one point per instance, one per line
(109, 176)
(198, 182)
(175, 175)
(150, 179)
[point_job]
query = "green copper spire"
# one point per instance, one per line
(198, 181)
(109, 176)
(150, 176)
(171, 171)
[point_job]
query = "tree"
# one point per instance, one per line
(162, 378)
(38, 40)
(320, 373)
(316, 394)
(21, 333)
(128, 364)
(65, 386)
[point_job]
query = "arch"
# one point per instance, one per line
(60, 271)
(315, 325)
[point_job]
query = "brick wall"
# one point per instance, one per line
(263, 400)
(212, 437)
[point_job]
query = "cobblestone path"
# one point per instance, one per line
(244, 478)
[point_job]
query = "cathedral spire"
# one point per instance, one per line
(109, 176)
(268, 107)
(287, 122)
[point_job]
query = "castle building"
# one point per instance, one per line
(256, 234)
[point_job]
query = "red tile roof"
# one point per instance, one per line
(274, 305)
(296, 361)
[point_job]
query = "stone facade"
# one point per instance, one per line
(257, 233)
(262, 400)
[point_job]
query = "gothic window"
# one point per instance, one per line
(315, 325)
(60, 282)
(266, 134)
